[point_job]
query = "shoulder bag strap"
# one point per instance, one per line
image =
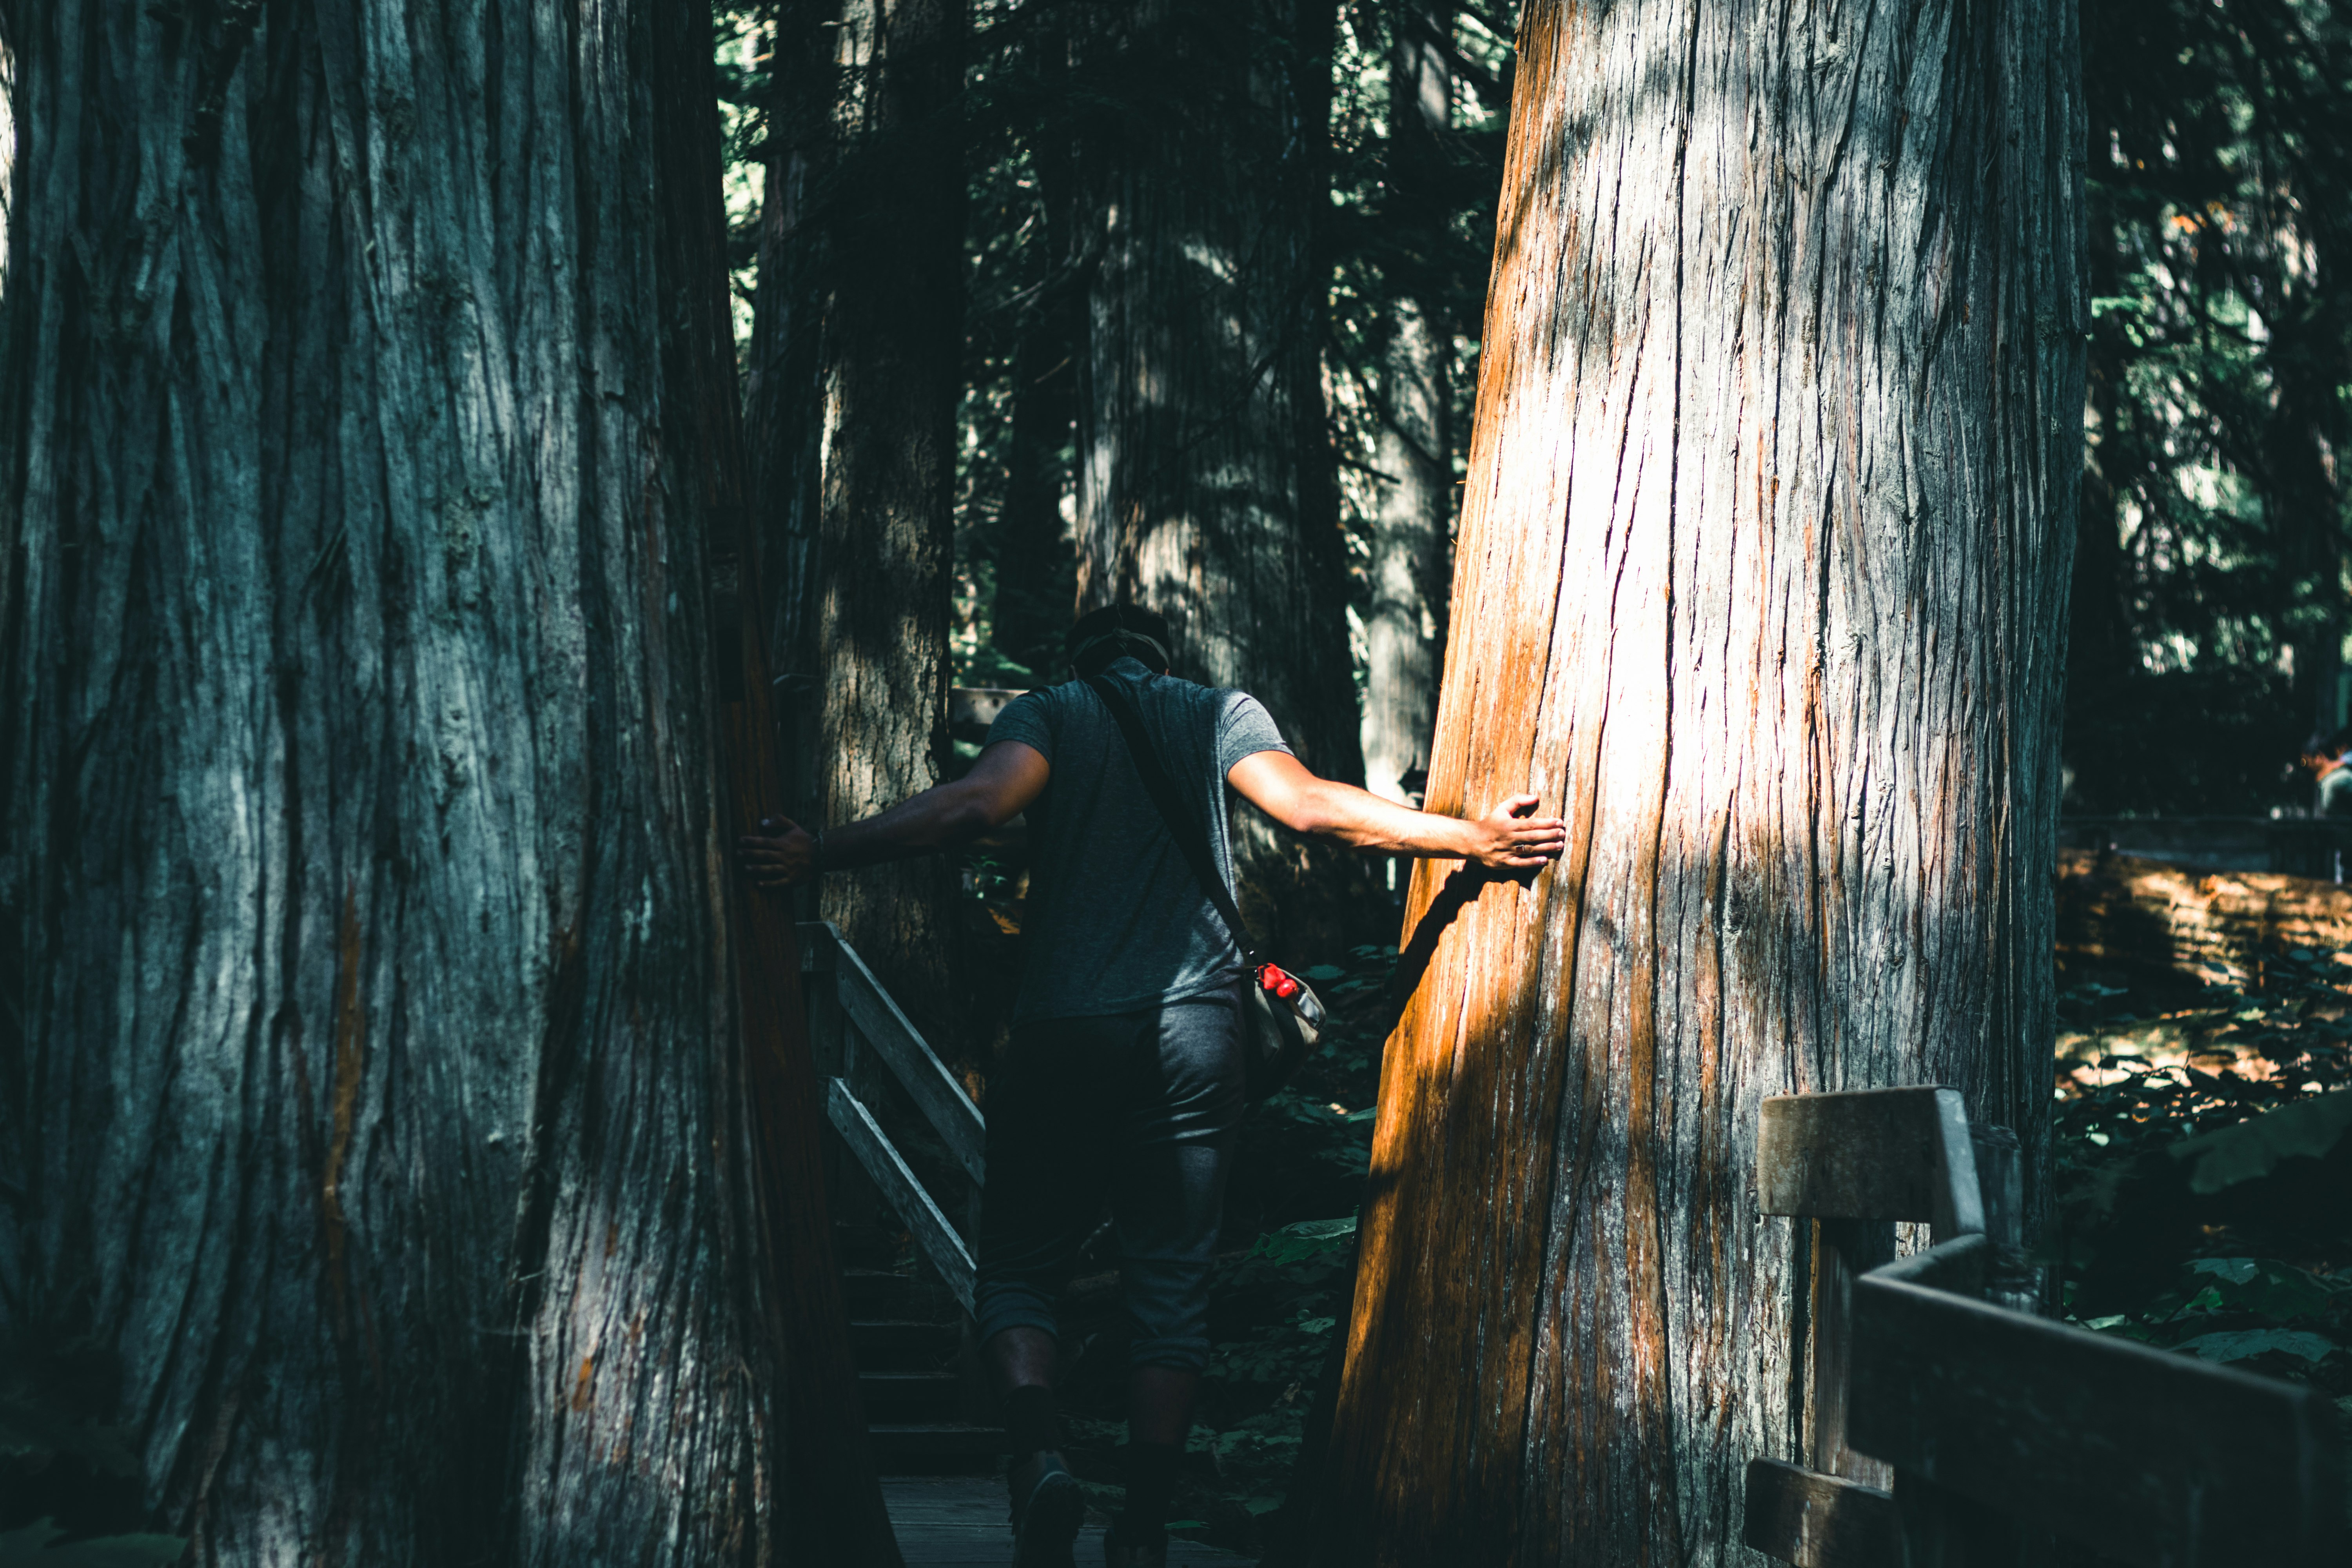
(1181, 824)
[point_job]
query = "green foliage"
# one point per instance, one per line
(2201, 1194)
(2246, 1343)
(1308, 1238)
(2253, 1148)
(56, 1456)
(2209, 583)
(41, 1545)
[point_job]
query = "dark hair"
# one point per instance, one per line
(1098, 637)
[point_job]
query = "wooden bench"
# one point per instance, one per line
(1946, 1428)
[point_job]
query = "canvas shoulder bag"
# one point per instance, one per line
(1282, 1017)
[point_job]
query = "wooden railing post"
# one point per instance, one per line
(1844, 1251)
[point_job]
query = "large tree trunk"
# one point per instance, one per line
(1205, 482)
(1404, 622)
(892, 364)
(1762, 579)
(376, 1098)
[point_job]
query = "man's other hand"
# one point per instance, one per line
(783, 861)
(1513, 840)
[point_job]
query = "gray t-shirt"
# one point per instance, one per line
(1115, 921)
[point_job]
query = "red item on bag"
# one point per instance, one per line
(1275, 980)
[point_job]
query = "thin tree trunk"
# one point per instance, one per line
(886, 549)
(7, 138)
(1036, 558)
(1762, 586)
(784, 387)
(1404, 624)
(1204, 483)
(375, 1093)
(829, 1492)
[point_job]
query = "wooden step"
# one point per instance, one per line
(899, 1344)
(908, 1395)
(876, 1293)
(936, 1448)
(868, 1246)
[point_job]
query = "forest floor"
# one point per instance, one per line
(2242, 1256)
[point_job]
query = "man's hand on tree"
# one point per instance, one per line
(783, 861)
(1510, 839)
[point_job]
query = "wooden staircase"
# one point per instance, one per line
(915, 1377)
(907, 1271)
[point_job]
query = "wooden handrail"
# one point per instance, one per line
(881, 1023)
(905, 1194)
(832, 963)
(2152, 1457)
(1997, 1422)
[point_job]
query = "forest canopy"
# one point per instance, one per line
(2210, 574)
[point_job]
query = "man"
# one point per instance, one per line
(2329, 760)
(1124, 1077)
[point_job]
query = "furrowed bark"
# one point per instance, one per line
(1404, 624)
(1761, 584)
(892, 348)
(374, 1088)
(1204, 484)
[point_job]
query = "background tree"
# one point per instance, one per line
(891, 354)
(1035, 586)
(379, 1128)
(786, 123)
(1204, 482)
(1765, 549)
(1410, 570)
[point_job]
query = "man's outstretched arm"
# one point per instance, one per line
(1509, 837)
(1002, 784)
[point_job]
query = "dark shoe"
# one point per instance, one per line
(1047, 1508)
(1117, 1553)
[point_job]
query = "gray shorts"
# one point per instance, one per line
(1133, 1111)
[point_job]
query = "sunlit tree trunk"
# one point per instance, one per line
(374, 1094)
(1761, 584)
(1204, 464)
(892, 353)
(1404, 622)
(8, 140)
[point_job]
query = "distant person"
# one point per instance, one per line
(1123, 1083)
(2329, 758)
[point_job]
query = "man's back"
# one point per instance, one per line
(1115, 920)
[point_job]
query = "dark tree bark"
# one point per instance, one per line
(375, 1092)
(1204, 480)
(1404, 622)
(886, 554)
(1762, 581)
